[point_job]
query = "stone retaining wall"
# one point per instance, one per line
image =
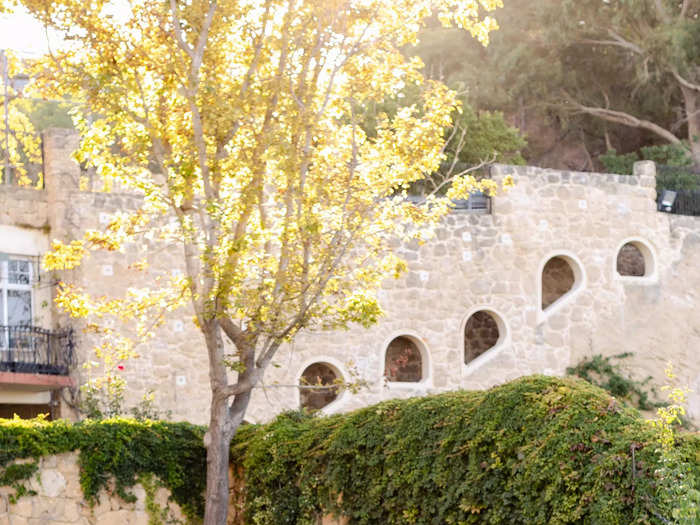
(59, 499)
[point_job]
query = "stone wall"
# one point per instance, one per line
(59, 499)
(495, 263)
(23, 207)
(490, 262)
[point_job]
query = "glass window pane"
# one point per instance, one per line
(18, 272)
(19, 307)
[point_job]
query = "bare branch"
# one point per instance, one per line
(661, 11)
(177, 30)
(684, 8)
(623, 42)
(616, 42)
(198, 55)
(235, 389)
(471, 169)
(683, 82)
(301, 387)
(232, 330)
(620, 117)
(458, 149)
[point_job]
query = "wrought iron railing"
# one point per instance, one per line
(478, 202)
(32, 350)
(686, 185)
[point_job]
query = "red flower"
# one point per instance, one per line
(120, 367)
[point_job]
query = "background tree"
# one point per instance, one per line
(20, 144)
(648, 52)
(586, 76)
(240, 119)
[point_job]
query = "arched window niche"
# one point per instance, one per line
(405, 360)
(485, 332)
(319, 384)
(561, 277)
(635, 261)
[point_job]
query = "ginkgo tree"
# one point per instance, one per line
(241, 120)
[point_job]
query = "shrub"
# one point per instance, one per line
(536, 450)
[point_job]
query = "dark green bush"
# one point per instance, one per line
(536, 450)
(118, 449)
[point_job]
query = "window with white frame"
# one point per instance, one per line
(16, 277)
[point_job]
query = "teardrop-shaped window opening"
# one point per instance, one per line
(558, 279)
(481, 334)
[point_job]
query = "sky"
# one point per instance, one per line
(20, 32)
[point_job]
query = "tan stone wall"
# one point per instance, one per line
(59, 499)
(23, 207)
(474, 262)
(494, 262)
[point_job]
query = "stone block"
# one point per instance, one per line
(22, 508)
(644, 168)
(53, 483)
(118, 517)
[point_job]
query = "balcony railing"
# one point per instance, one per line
(477, 202)
(32, 350)
(686, 185)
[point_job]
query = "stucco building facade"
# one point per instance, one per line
(564, 266)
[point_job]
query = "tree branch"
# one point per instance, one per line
(620, 117)
(178, 31)
(661, 11)
(247, 81)
(198, 55)
(617, 42)
(684, 8)
(232, 331)
(683, 82)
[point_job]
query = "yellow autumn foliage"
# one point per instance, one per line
(238, 121)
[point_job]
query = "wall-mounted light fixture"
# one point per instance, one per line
(668, 197)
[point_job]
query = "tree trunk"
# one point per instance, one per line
(219, 441)
(224, 419)
(691, 98)
(224, 423)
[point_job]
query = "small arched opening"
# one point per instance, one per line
(482, 332)
(404, 362)
(634, 259)
(319, 385)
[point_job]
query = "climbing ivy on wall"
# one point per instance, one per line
(606, 373)
(536, 450)
(122, 450)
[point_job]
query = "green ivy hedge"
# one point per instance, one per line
(536, 450)
(113, 449)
